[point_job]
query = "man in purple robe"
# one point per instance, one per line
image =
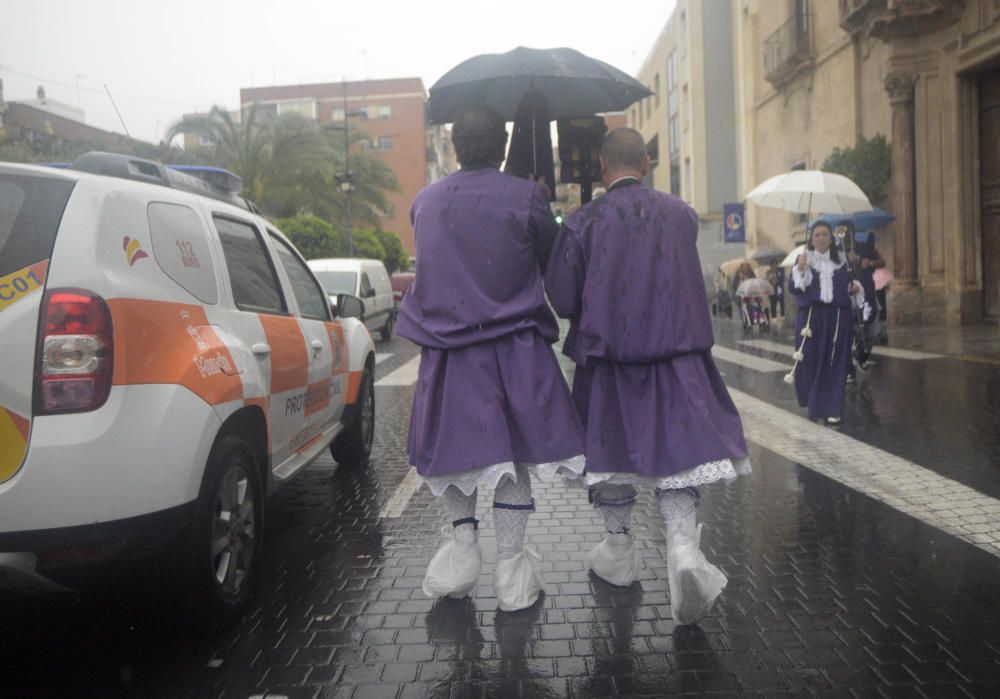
(491, 403)
(625, 271)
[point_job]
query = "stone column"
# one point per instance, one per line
(904, 302)
(904, 205)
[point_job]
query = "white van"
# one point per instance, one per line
(366, 279)
(168, 361)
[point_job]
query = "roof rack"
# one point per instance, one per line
(213, 182)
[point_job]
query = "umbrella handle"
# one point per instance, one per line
(534, 143)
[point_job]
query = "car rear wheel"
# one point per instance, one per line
(353, 446)
(386, 331)
(226, 532)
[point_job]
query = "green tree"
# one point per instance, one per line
(367, 244)
(289, 163)
(395, 256)
(314, 237)
(868, 163)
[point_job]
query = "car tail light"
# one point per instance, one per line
(75, 357)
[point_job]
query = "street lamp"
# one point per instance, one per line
(345, 179)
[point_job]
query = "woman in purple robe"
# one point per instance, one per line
(824, 326)
(491, 403)
(625, 271)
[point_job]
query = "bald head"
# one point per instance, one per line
(623, 153)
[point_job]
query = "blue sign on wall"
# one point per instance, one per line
(734, 224)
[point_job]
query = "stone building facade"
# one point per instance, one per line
(817, 74)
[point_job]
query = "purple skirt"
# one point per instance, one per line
(658, 419)
(821, 376)
(500, 401)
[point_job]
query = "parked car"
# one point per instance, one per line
(400, 285)
(169, 361)
(366, 279)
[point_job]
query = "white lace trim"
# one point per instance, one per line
(822, 263)
(467, 481)
(801, 279)
(726, 469)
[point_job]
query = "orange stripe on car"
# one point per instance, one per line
(353, 387)
(289, 359)
(317, 396)
(161, 342)
(308, 444)
(336, 331)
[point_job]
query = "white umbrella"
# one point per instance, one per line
(793, 256)
(805, 191)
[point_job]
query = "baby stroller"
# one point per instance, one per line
(752, 294)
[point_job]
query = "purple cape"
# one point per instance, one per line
(625, 271)
(481, 237)
(821, 375)
(490, 389)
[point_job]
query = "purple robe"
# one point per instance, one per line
(625, 271)
(821, 375)
(490, 389)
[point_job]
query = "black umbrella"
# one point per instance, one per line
(572, 83)
(767, 255)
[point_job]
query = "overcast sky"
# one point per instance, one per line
(163, 59)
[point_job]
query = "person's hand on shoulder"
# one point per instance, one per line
(540, 180)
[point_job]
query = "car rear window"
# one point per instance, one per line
(338, 282)
(31, 208)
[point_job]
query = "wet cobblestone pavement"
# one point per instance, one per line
(832, 592)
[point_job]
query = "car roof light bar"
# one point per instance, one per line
(215, 176)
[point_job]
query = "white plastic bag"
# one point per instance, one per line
(454, 569)
(518, 579)
(615, 559)
(694, 582)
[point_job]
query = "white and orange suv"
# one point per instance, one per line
(167, 359)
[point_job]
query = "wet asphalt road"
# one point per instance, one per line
(831, 592)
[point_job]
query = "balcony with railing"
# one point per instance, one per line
(788, 50)
(854, 14)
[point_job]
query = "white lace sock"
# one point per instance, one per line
(678, 505)
(512, 504)
(462, 510)
(615, 503)
(454, 569)
(517, 578)
(615, 559)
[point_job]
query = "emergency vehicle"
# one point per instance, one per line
(167, 361)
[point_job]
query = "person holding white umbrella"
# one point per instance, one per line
(824, 325)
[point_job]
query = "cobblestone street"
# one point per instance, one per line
(862, 561)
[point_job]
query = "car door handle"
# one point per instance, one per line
(261, 349)
(317, 346)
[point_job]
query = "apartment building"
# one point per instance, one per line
(391, 112)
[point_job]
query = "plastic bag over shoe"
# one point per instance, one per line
(454, 569)
(615, 559)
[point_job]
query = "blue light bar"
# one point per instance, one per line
(60, 166)
(215, 176)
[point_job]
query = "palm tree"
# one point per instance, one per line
(289, 164)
